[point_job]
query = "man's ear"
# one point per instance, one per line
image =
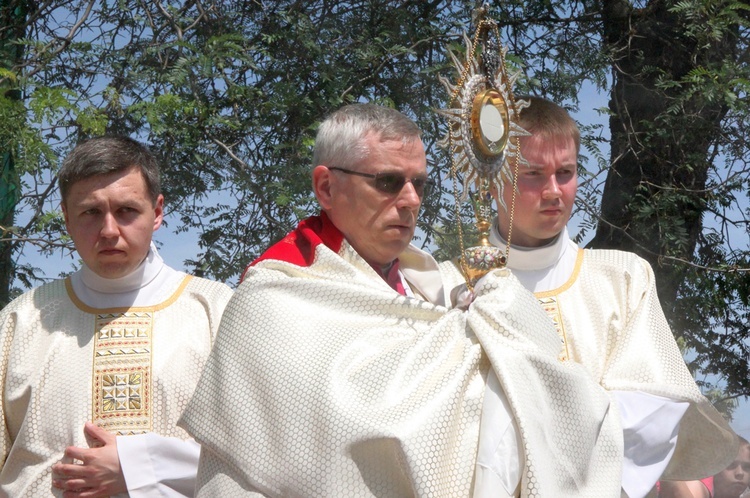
(158, 212)
(65, 213)
(321, 179)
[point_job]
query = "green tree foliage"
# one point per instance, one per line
(229, 94)
(679, 161)
(10, 109)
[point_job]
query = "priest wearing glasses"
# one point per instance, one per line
(339, 370)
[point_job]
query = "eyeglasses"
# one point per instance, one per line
(391, 183)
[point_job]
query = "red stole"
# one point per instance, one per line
(393, 279)
(298, 247)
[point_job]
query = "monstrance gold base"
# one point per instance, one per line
(480, 260)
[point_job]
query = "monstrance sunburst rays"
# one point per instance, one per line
(474, 164)
(483, 139)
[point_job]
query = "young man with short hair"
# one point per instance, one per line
(96, 368)
(606, 311)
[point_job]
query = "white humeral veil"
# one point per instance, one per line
(323, 381)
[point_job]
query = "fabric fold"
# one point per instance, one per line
(323, 370)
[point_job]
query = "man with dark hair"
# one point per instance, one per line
(339, 371)
(96, 368)
(606, 311)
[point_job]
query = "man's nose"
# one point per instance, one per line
(552, 188)
(408, 197)
(109, 226)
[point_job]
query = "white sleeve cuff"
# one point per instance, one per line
(650, 425)
(155, 465)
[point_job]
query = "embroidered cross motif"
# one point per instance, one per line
(122, 372)
(121, 392)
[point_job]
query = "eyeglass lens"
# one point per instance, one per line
(392, 183)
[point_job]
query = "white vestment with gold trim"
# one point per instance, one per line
(608, 317)
(130, 370)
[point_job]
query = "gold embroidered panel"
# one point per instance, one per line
(122, 383)
(552, 308)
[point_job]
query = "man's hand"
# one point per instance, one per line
(462, 297)
(99, 474)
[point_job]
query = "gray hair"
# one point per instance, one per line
(105, 155)
(341, 137)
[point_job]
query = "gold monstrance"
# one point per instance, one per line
(483, 139)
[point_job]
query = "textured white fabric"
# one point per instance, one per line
(422, 276)
(605, 306)
(158, 466)
(650, 436)
(47, 337)
(499, 456)
(543, 269)
(324, 381)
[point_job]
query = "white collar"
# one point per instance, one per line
(531, 258)
(145, 273)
